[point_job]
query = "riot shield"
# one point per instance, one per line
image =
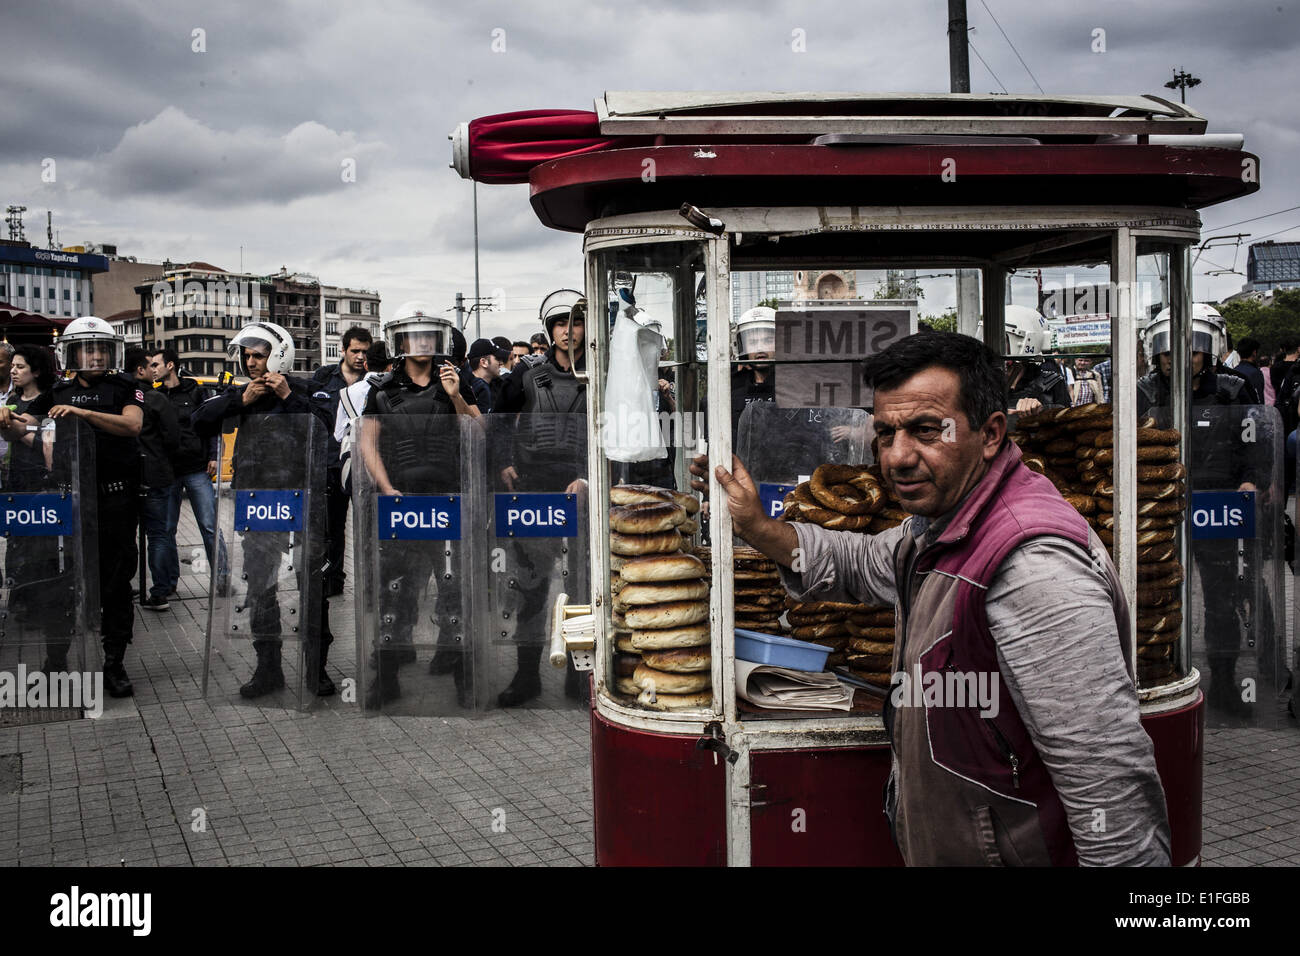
(264, 611)
(418, 490)
(49, 602)
(537, 541)
(781, 447)
(1235, 588)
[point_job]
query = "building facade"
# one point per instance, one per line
(197, 308)
(342, 308)
(49, 281)
(1272, 265)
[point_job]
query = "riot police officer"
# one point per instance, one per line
(1032, 381)
(408, 458)
(112, 405)
(1219, 461)
(263, 351)
(754, 345)
(547, 453)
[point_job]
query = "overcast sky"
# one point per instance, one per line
(190, 155)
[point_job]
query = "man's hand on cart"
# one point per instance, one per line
(1027, 405)
(776, 539)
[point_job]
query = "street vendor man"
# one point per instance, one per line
(996, 578)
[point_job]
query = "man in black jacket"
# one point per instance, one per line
(194, 462)
(159, 440)
(328, 382)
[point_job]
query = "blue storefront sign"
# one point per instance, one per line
(536, 515)
(1223, 514)
(419, 517)
(268, 510)
(773, 498)
(36, 514)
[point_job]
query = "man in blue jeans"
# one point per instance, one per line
(194, 465)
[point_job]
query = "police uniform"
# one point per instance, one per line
(262, 461)
(1219, 462)
(548, 451)
(746, 389)
(418, 461)
(1047, 385)
(117, 476)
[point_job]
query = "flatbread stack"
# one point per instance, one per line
(1074, 448)
(661, 599)
(838, 497)
(759, 594)
(870, 650)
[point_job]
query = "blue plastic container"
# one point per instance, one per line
(759, 648)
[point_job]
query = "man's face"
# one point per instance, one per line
(255, 362)
(95, 356)
(158, 368)
(565, 332)
(539, 348)
(493, 365)
(516, 353)
(1083, 364)
(355, 355)
(929, 454)
(422, 342)
(1167, 363)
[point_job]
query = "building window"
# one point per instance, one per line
(331, 328)
(22, 291)
(67, 295)
(354, 307)
(332, 305)
(374, 308)
(332, 351)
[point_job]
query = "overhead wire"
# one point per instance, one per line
(1013, 48)
(986, 66)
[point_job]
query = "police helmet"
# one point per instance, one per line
(75, 350)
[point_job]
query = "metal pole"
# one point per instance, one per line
(477, 321)
(958, 48)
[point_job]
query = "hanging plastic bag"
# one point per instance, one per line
(630, 430)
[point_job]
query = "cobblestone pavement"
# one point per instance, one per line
(171, 778)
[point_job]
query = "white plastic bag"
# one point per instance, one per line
(630, 430)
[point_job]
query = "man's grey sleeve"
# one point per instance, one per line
(844, 566)
(1051, 618)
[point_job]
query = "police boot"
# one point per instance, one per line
(384, 687)
(115, 680)
(56, 659)
(1225, 692)
(527, 683)
(324, 686)
(268, 677)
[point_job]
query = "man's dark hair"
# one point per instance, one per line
(539, 338)
(135, 358)
(1247, 348)
(520, 345)
(501, 342)
(377, 357)
(41, 361)
(983, 384)
(1290, 343)
(356, 334)
(168, 356)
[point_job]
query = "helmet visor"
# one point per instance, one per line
(422, 340)
(94, 355)
(759, 339)
(1201, 342)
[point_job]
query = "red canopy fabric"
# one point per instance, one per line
(504, 147)
(13, 317)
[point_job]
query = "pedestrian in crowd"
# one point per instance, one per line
(328, 382)
(352, 400)
(539, 343)
(405, 459)
(969, 571)
(503, 343)
(266, 458)
(550, 456)
(1265, 365)
(518, 351)
(112, 405)
(195, 461)
(485, 358)
(1219, 463)
(159, 441)
(31, 373)
(1087, 383)
(1290, 351)
(1248, 368)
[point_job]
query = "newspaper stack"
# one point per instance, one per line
(780, 688)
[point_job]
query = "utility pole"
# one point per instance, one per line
(477, 321)
(460, 311)
(1181, 82)
(968, 280)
